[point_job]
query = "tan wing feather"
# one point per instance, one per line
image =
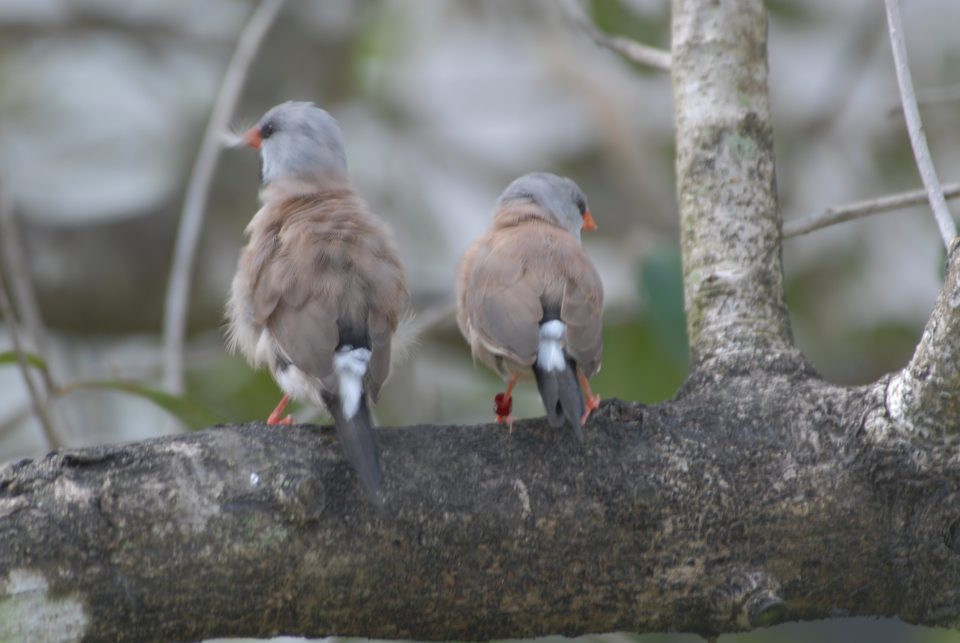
(582, 311)
(511, 274)
(332, 269)
(500, 303)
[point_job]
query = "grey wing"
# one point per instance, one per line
(582, 311)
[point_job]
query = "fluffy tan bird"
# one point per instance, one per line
(528, 297)
(319, 289)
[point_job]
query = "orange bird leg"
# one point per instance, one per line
(592, 399)
(277, 412)
(503, 403)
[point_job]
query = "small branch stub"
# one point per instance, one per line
(630, 49)
(925, 396)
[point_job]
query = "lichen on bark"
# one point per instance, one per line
(726, 186)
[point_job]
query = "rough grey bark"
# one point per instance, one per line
(760, 494)
(738, 504)
(925, 396)
(726, 186)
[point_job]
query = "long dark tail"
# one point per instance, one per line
(561, 395)
(359, 442)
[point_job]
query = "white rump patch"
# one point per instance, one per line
(350, 365)
(550, 356)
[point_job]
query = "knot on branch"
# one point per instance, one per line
(952, 540)
(751, 598)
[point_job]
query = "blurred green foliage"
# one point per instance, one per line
(189, 412)
(637, 365)
(236, 391)
(613, 17)
(845, 354)
(10, 357)
(790, 12)
(646, 358)
(661, 290)
(192, 414)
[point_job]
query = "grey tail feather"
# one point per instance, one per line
(561, 396)
(359, 443)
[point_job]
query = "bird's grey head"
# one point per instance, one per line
(298, 140)
(560, 198)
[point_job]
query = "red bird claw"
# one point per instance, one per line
(502, 405)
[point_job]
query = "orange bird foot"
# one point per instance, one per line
(274, 418)
(592, 402)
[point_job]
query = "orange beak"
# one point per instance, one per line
(252, 138)
(588, 221)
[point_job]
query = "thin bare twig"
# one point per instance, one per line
(191, 219)
(911, 113)
(629, 49)
(24, 294)
(6, 309)
(859, 209)
(24, 301)
(634, 51)
(933, 96)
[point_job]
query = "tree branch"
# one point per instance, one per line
(859, 209)
(630, 49)
(191, 219)
(39, 407)
(24, 302)
(18, 271)
(734, 506)
(633, 50)
(932, 96)
(925, 396)
(729, 221)
(911, 113)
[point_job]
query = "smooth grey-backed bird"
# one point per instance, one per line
(529, 301)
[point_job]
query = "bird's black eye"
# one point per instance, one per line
(267, 130)
(581, 205)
